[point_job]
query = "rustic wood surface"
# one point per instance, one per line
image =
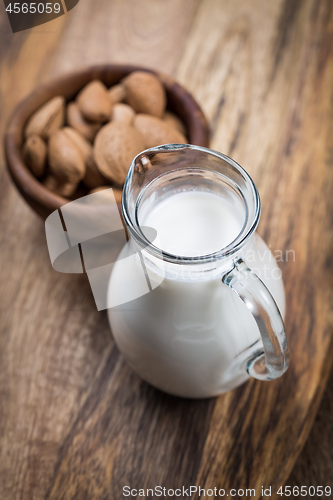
(75, 422)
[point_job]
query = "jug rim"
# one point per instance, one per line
(148, 246)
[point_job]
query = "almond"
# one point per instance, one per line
(155, 132)
(94, 102)
(47, 119)
(66, 161)
(115, 147)
(117, 193)
(58, 187)
(145, 93)
(76, 120)
(123, 113)
(117, 93)
(174, 121)
(93, 177)
(34, 154)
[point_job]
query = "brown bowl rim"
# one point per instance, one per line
(28, 185)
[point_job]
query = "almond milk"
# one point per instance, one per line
(191, 335)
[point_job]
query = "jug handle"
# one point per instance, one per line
(271, 362)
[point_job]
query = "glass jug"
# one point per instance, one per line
(200, 325)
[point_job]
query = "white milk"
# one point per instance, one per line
(190, 337)
(194, 223)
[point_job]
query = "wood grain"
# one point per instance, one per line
(75, 422)
(314, 465)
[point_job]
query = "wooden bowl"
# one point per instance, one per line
(43, 201)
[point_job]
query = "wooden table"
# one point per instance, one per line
(75, 422)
